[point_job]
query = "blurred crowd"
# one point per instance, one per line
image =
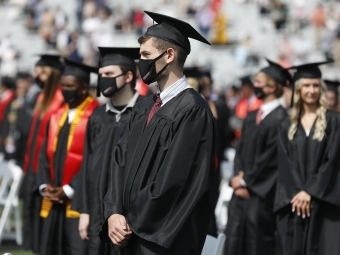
(99, 22)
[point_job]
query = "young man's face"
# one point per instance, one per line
(149, 51)
(261, 83)
(113, 72)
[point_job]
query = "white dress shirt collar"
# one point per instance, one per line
(173, 90)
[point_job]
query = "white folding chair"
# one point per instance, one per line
(213, 246)
(11, 177)
(221, 209)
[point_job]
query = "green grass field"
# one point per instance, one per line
(12, 248)
(20, 252)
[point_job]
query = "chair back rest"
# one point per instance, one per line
(213, 246)
(10, 177)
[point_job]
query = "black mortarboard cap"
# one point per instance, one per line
(173, 30)
(53, 61)
(332, 85)
(246, 81)
(9, 82)
(277, 72)
(118, 56)
(23, 75)
(78, 70)
(309, 71)
(193, 72)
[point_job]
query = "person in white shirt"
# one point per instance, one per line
(160, 194)
(251, 221)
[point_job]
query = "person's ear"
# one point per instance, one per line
(84, 88)
(128, 77)
(170, 56)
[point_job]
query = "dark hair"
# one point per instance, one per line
(24, 75)
(8, 82)
(163, 45)
(126, 69)
(50, 87)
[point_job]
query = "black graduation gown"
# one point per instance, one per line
(60, 235)
(102, 135)
(32, 223)
(313, 166)
(21, 132)
(162, 174)
(251, 223)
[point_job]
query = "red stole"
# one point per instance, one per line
(242, 109)
(54, 106)
(76, 138)
(5, 102)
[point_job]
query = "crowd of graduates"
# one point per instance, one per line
(139, 174)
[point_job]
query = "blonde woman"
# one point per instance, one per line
(307, 200)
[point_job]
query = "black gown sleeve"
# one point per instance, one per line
(113, 203)
(261, 178)
(80, 202)
(324, 184)
(238, 162)
(159, 211)
(113, 199)
(286, 183)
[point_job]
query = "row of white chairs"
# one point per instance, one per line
(10, 180)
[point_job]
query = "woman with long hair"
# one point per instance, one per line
(47, 75)
(307, 202)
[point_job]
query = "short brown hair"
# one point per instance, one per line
(163, 45)
(271, 82)
(126, 69)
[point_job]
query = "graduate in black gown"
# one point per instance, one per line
(307, 202)
(60, 161)
(159, 198)
(16, 125)
(251, 221)
(107, 124)
(332, 95)
(47, 75)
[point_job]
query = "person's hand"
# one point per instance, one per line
(84, 222)
(236, 181)
(48, 192)
(301, 204)
(58, 194)
(119, 230)
(242, 193)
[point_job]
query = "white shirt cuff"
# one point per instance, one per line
(41, 189)
(69, 192)
(243, 183)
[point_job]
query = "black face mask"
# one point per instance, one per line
(108, 85)
(259, 93)
(147, 69)
(39, 82)
(69, 95)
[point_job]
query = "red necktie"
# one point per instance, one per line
(258, 116)
(154, 109)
